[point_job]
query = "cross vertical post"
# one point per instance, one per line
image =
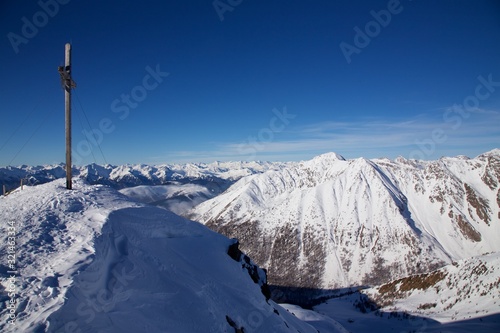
(67, 83)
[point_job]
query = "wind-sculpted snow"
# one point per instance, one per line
(90, 260)
(330, 223)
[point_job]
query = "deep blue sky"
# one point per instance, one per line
(416, 88)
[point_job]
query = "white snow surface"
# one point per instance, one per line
(90, 260)
(166, 195)
(321, 322)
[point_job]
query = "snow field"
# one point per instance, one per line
(91, 260)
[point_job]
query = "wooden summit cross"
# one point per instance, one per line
(68, 84)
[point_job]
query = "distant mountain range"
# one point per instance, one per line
(177, 187)
(129, 175)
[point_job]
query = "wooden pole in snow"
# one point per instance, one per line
(67, 103)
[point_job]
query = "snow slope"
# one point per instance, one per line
(330, 223)
(90, 260)
(176, 197)
(461, 297)
(321, 322)
(466, 289)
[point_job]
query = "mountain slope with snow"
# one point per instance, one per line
(461, 297)
(90, 260)
(330, 223)
(466, 289)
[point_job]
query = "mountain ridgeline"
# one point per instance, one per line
(331, 223)
(129, 175)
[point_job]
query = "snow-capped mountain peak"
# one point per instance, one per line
(330, 223)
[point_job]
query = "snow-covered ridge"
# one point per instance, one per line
(90, 260)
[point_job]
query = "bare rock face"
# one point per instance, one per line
(257, 274)
(332, 223)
